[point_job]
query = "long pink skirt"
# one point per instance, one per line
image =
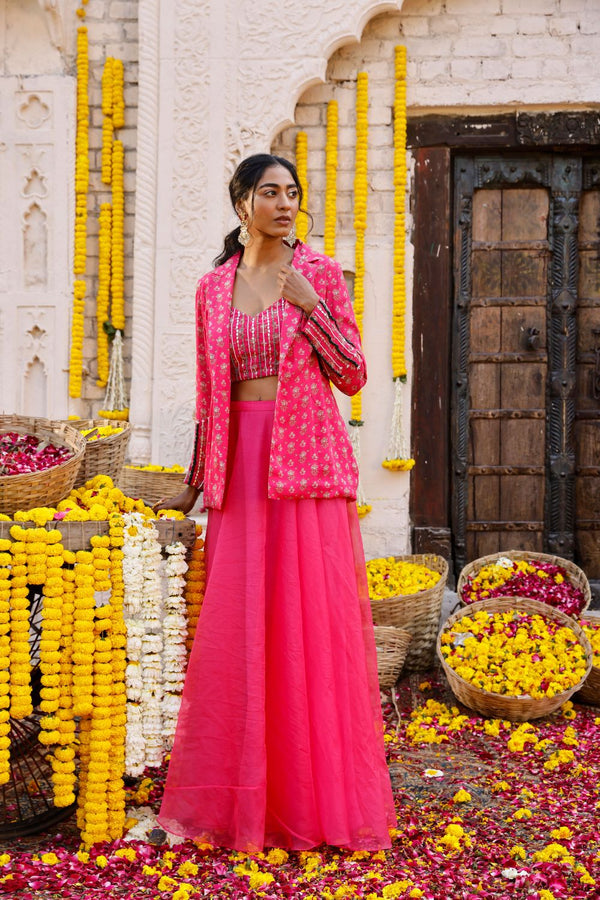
(279, 740)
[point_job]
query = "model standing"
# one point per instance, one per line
(280, 739)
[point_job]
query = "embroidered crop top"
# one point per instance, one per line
(254, 342)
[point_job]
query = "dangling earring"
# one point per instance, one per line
(244, 235)
(290, 238)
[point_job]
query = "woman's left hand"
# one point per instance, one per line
(297, 289)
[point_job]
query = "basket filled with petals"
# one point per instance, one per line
(407, 592)
(391, 645)
(513, 658)
(590, 690)
(39, 461)
(151, 483)
(106, 445)
(523, 573)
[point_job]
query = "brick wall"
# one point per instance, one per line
(463, 56)
(112, 31)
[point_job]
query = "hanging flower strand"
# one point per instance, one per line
(302, 169)
(331, 166)
(398, 457)
(115, 403)
(81, 188)
(360, 226)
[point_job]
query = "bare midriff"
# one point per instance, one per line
(256, 389)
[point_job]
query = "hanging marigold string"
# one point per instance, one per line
(398, 457)
(103, 296)
(360, 226)
(195, 585)
(302, 169)
(81, 189)
(5, 561)
(331, 167)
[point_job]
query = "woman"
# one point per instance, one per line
(279, 740)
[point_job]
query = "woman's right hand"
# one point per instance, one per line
(184, 501)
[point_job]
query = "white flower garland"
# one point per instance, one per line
(174, 637)
(156, 641)
(142, 565)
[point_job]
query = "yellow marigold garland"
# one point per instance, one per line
(115, 786)
(117, 243)
(302, 169)
(398, 458)
(107, 121)
(50, 638)
(20, 654)
(63, 759)
(103, 295)
(83, 634)
(118, 101)
(5, 561)
(331, 167)
(195, 584)
(360, 226)
(399, 282)
(81, 189)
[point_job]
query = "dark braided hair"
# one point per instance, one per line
(243, 184)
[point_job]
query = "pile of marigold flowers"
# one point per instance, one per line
(100, 431)
(592, 632)
(94, 501)
(514, 653)
(534, 579)
(391, 577)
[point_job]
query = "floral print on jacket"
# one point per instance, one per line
(311, 454)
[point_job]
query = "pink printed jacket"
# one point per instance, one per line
(311, 454)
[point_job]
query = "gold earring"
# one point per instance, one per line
(290, 238)
(244, 235)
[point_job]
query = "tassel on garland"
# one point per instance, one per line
(398, 458)
(115, 402)
(362, 507)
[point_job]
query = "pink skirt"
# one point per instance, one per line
(279, 740)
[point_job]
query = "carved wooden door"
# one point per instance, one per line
(526, 357)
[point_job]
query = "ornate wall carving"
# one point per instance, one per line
(35, 266)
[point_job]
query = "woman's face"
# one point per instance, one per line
(275, 204)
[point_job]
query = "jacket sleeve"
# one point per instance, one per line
(332, 330)
(195, 473)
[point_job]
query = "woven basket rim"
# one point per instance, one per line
(101, 423)
(76, 443)
(499, 604)
(412, 557)
(476, 564)
(592, 614)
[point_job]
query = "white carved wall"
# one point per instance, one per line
(35, 281)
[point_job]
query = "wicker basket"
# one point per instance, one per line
(391, 644)
(49, 487)
(105, 455)
(500, 706)
(418, 613)
(590, 690)
(150, 486)
(576, 576)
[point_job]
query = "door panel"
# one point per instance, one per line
(526, 357)
(587, 417)
(514, 353)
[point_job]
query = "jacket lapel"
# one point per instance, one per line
(306, 262)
